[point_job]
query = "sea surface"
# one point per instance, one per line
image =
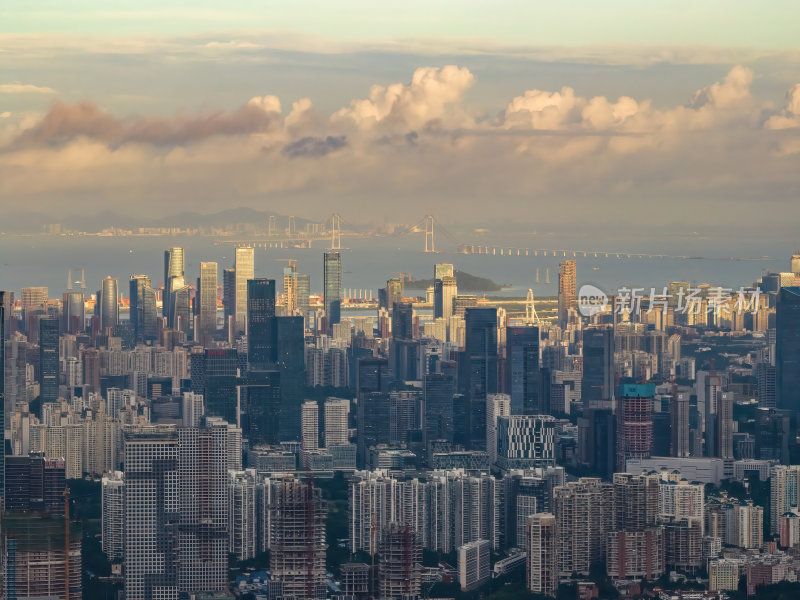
(369, 262)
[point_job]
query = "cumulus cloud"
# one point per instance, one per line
(24, 88)
(413, 105)
(789, 117)
(313, 146)
(564, 110)
(417, 143)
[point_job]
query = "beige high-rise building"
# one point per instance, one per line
(337, 414)
(542, 565)
(567, 291)
(245, 269)
(208, 302)
(310, 425)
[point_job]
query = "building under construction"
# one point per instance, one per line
(37, 556)
(297, 553)
(400, 565)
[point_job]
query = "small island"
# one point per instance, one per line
(465, 281)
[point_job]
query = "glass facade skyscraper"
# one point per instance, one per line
(261, 342)
(208, 302)
(332, 293)
(479, 376)
(787, 349)
(109, 303)
(245, 270)
(522, 371)
(48, 360)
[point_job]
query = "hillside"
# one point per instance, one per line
(466, 282)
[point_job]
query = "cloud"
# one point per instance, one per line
(409, 106)
(789, 117)
(24, 88)
(418, 147)
(315, 147)
(66, 122)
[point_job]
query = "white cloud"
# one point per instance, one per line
(24, 88)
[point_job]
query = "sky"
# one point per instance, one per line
(505, 113)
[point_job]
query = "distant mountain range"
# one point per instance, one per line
(30, 222)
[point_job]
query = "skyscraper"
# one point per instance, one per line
(303, 293)
(221, 370)
(310, 425)
(480, 369)
(261, 326)
(634, 423)
(109, 303)
(3, 395)
(151, 513)
(208, 302)
(522, 371)
(337, 422)
(332, 292)
(787, 349)
(290, 288)
(143, 312)
(245, 270)
(229, 294)
(48, 360)
(439, 389)
(679, 429)
(72, 307)
(597, 385)
(567, 291)
(174, 278)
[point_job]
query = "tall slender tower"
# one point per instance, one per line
(542, 564)
(48, 359)
(567, 291)
(245, 270)
(109, 303)
(208, 301)
(332, 299)
(174, 278)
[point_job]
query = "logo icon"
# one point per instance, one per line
(591, 300)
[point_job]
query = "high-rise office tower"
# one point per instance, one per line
(542, 565)
(395, 291)
(143, 310)
(34, 301)
(181, 305)
(679, 425)
(220, 380)
(48, 360)
(787, 348)
(567, 291)
(445, 291)
(174, 278)
(73, 313)
(597, 384)
(245, 271)
(634, 423)
(497, 405)
(724, 444)
(229, 294)
(310, 425)
(441, 297)
(337, 422)
(109, 303)
(262, 397)
(208, 302)
(480, 369)
(439, 389)
(151, 514)
(261, 326)
(303, 293)
(3, 300)
(297, 550)
(403, 321)
(332, 292)
(290, 351)
(290, 288)
(522, 371)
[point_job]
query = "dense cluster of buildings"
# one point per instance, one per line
(459, 430)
